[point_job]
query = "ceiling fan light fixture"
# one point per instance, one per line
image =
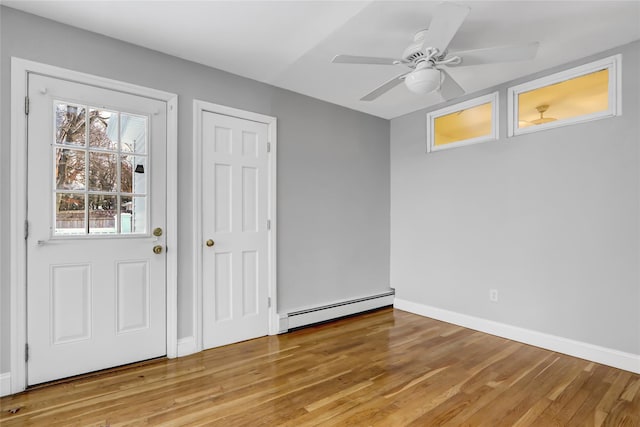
(423, 80)
(542, 120)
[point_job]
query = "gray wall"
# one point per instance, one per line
(333, 165)
(550, 219)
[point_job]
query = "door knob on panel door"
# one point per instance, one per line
(157, 249)
(210, 243)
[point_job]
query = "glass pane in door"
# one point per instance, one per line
(103, 129)
(133, 215)
(70, 124)
(69, 214)
(103, 171)
(102, 214)
(133, 174)
(133, 133)
(69, 169)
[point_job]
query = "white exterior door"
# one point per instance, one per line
(235, 257)
(96, 192)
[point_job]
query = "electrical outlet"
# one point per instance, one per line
(493, 295)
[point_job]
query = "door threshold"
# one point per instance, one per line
(94, 374)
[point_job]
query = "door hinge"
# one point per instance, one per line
(26, 105)
(269, 302)
(26, 229)
(268, 147)
(268, 224)
(26, 352)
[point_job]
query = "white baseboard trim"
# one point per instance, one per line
(5, 384)
(311, 315)
(606, 356)
(187, 346)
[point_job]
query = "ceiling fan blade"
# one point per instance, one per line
(521, 52)
(449, 88)
(446, 21)
(351, 59)
(384, 88)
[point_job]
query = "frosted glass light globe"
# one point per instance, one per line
(423, 80)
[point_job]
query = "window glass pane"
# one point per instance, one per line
(103, 171)
(133, 214)
(103, 129)
(575, 97)
(69, 210)
(133, 174)
(463, 125)
(70, 124)
(70, 169)
(133, 133)
(101, 166)
(102, 214)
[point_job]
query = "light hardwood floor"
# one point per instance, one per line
(387, 368)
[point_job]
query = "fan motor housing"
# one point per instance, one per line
(415, 52)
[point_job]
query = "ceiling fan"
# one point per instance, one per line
(427, 57)
(542, 108)
(542, 120)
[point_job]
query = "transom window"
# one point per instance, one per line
(580, 94)
(466, 123)
(100, 171)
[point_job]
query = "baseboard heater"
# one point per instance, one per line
(309, 316)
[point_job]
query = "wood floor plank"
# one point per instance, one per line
(382, 368)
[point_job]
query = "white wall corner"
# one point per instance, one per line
(187, 346)
(606, 356)
(5, 383)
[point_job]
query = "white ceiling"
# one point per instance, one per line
(290, 44)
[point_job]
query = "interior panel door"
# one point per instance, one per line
(235, 183)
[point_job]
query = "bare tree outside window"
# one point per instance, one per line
(88, 158)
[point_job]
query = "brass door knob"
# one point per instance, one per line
(157, 249)
(210, 243)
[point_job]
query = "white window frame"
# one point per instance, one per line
(491, 98)
(612, 63)
(119, 153)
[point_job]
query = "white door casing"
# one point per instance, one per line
(95, 289)
(21, 70)
(234, 159)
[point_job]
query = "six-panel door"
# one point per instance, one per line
(234, 200)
